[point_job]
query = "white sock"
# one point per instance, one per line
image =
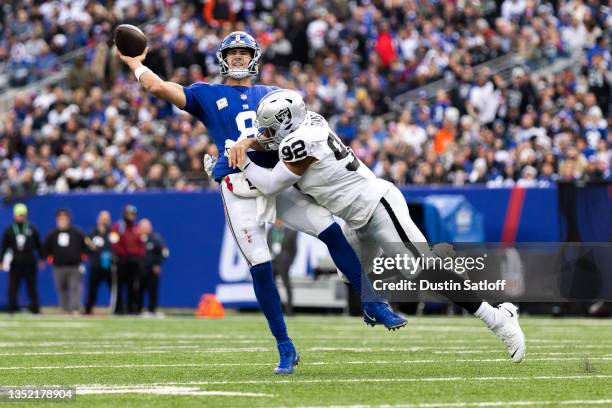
(486, 313)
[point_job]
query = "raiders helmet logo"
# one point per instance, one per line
(283, 115)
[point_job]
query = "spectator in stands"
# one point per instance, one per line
(19, 242)
(66, 246)
(129, 250)
(100, 260)
(349, 64)
(156, 253)
(483, 99)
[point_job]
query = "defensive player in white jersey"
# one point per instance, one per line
(313, 159)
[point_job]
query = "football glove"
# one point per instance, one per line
(209, 164)
(228, 146)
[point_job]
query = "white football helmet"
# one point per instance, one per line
(279, 113)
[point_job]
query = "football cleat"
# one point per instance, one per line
(507, 328)
(380, 313)
(289, 358)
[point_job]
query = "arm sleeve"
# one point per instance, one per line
(271, 182)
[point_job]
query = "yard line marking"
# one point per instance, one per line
(472, 404)
(164, 390)
(47, 324)
(87, 353)
(101, 366)
(382, 380)
(138, 346)
(332, 381)
(143, 350)
(86, 348)
(435, 348)
(198, 339)
(321, 363)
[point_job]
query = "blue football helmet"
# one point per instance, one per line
(239, 39)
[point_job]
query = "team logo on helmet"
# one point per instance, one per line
(283, 115)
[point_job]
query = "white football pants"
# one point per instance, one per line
(390, 231)
(298, 212)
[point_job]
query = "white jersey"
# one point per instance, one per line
(338, 181)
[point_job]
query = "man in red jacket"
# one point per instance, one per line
(129, 250)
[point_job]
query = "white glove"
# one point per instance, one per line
(228, 146)
(209, 164)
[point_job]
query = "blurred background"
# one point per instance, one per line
(493, 118)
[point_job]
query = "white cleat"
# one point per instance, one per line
(509, 331)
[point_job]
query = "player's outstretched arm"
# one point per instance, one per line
(169, 91)
(274, 181)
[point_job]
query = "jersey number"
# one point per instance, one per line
(341, 151)
(246, 124)
(296, 151)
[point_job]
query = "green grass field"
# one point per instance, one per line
(183, 362)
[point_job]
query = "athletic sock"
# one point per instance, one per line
(486, 313)
(468, 300)
(346, 260)
(269, 300)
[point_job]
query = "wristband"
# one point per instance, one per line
(139, 71)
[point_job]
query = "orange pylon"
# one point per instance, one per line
(209, 307)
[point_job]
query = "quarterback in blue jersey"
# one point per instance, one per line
(228, 112)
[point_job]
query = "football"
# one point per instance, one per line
(130, 40)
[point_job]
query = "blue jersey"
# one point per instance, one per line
(228, 112)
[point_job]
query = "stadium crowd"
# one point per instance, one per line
(99, 131)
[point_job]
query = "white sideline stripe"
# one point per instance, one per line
(353, 362)
(473, 404)
(164, 390)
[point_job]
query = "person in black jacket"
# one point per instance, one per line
(156, 252)
(19, 242)
(66, 246)
(101, 259)
(282, 242)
